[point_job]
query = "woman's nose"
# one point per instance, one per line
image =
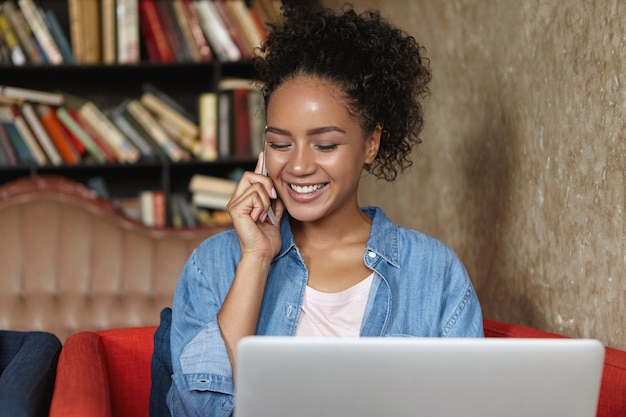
(302, 161)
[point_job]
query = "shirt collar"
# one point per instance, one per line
(383, 239)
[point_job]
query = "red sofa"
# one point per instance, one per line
(107, 373)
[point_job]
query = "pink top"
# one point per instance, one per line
(334, 314)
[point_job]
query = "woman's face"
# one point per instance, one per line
(315, 149)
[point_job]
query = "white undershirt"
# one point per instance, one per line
(334, 314)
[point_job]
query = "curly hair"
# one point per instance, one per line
(379, 67)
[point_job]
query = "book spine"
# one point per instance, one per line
(18, 57)
(233, 26)
(109, 31)
(256, 105)
(169, 101)
(184, 24)
(59, 37)
(207, 109)
(41, 32)
(246, 22)
(203, 45)
(31, 95)
(91, 31)
(172, 32)
(210, 200)
(41, 134)
(241, 125)
(15, 138)
(157, 106)
(22, 30)
(185, 141)
(215, 31)
(224, 144)
(7, 149)
(154, 30)
(127, 31)
(151, 125)
(29, 138)
(92, 149)
(74, 9)
(122, 123)
(57, 134)
(98, 121)
(146, 204)
(210, 183)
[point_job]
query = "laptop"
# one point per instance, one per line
(400, 377)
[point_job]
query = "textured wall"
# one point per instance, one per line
(523, 163)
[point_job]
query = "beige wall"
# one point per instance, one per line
(523, 162)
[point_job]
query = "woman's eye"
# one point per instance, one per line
(278, 146)
(327, 147)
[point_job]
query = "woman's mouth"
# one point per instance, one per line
(306, 189)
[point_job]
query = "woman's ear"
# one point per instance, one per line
(372, 143)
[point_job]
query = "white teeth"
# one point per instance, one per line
(306, 189)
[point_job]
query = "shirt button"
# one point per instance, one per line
(371, 254)
(289, 310)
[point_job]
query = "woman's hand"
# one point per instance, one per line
(248, 210)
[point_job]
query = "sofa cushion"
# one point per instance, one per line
(161, 366)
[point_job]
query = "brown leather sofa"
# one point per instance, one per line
(70, 261)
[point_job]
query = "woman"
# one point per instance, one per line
(342, 94)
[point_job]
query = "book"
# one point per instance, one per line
(146, 207)
(18, 57)
(233, 25)
(71, 123)
(164, 111)
(241, 124)
(187, 215)
(168, 100)
(108, 31)
(121, 120)
(156, 132)
(92, 116)
(194, 25)
(40, 30)
(153, 32)
(225, 147)
(8, 154)
(76, 24)
(207, 113)
(59, 36)
(159, 209)
(182, 138)
(29, 138)
(157, 150)
(128, 43)
(256, 105)
(210, 183)
(41, 134)
(183, 23)
(247, 24)
(59, 137)
(215, 31)
(28, 94)
(171, 30)
(15, 138)
(91, 31)
(216, 201)
(22, 30)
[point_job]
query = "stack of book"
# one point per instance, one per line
(43, 128)
(117, 31)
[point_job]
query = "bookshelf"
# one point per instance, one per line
(109, 84)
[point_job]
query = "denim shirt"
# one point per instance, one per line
(420, 288)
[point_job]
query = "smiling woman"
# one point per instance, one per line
(343, 95)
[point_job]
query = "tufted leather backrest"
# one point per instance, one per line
(70, 261)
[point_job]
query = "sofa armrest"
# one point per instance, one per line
(28, 363)
(82, 383)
